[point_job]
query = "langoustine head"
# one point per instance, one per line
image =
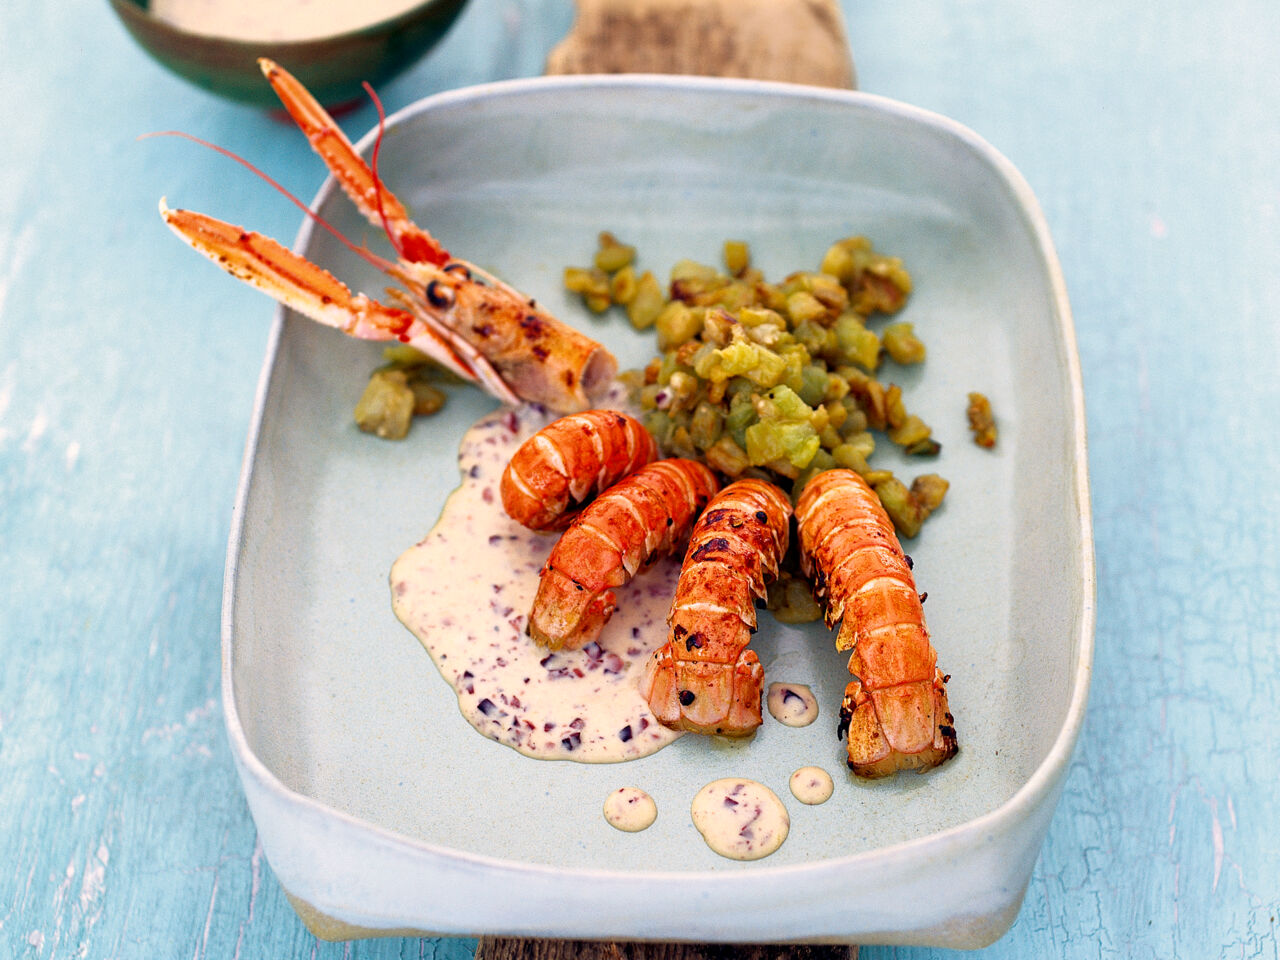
(476, 325)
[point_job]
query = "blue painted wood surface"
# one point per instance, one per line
(1151, 134)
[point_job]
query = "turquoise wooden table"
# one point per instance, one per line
(1151, 135)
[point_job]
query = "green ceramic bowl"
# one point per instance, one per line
(332, 67)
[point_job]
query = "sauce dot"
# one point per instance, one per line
(792, 704)
(630, 809)
(811, 785)
(740, 819)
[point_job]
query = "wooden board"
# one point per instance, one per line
(510, 948)
(800, 41)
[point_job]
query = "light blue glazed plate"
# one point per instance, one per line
(381, 810)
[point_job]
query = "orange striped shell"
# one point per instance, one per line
(896, 706)
(624, 529)
(569, 461)
(704, 679)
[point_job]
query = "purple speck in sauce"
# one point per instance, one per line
(486, 706)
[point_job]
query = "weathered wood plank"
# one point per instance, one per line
(800, 41)
(513, 948)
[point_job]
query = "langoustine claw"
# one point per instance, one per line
(623, 530)
(704, 679)
(895, 708)
(456, 313)
(570, 460)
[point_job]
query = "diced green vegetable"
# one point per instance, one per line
(772, 440)
(386, 406)
(646, 302)
(612, 256)
(677, 323)
(901, 343)
(737, 256)
(774, 380)
(427, 399)
(791, 600)
(981, 420)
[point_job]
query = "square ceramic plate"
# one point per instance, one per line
(381, 809)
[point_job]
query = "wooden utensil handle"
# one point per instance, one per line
(800, 41)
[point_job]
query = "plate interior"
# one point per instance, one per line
(343, 705)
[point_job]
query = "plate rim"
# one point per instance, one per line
(1048, 773)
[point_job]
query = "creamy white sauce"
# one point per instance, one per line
(275, 20)
(630, 809)
(792, 704)
(465, 592)
(740, 819)
(811, 785)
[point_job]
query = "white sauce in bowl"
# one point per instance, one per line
(276, 20)
(465, 592)
(740, 819)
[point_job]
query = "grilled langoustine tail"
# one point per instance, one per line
(705, 679)
(643, 517)
(569, 461)
(895, 709)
